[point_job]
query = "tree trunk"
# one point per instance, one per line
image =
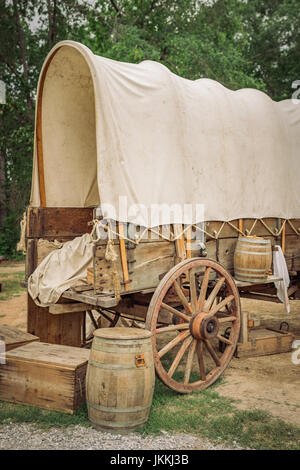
(3, 210)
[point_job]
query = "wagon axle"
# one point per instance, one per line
(204, 326)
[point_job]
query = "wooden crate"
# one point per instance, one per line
(147, 263)
(265, 341)
(14, 338)
(45, 375)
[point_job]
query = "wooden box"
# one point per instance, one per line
(45, 375)
(265, 341)
(13, 337)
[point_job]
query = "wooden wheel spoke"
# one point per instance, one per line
(90, 313)
(203, 289)
(175, 312)
(173, 343)
(220, 305)
(189, 362)
(226, 319)
(182, 297)
(179, 356)
(181, 326)
(193, 290)
(224, 340)
(200, 355)
(212, 352)
(208, 303)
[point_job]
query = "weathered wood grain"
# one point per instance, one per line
(50, 222)
(120, 379)
(151, 260)
(45, 375)
(56, 329)
(14, 338)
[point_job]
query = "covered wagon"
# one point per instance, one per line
(163, 174)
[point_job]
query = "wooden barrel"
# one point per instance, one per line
(252, 259)
(120, 379)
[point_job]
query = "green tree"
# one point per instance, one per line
(272, 31)
(28, 31)
(236, 42)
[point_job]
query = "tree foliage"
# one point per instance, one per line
(236, 42)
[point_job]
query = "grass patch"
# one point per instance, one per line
(207, 414)
(204, 414)
(11, 287)
(44, 419)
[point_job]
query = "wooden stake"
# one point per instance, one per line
(240, 225)
(283, 238)
(179, 242)
(123, 256)
(188, 242)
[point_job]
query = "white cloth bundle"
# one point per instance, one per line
(61, 269)
(280, 270)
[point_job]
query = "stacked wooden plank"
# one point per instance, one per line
(13, 338)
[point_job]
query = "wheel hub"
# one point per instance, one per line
(204, 326)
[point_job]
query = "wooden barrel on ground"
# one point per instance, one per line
(120, 379)
(252, 259)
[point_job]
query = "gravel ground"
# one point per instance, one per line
(29, 437)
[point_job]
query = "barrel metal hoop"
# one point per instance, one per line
(262, 241)
(245, 245)
(268, 253)
(123, 342)
(250, 278)
(264, 270)
(111, 349)
(101, 365)
(109, 425)
(118, 410)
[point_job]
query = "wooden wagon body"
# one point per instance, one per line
(181, 284)
(141, 267)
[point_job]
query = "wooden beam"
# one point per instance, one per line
(39, 133)
(260, 297)
(58, 309)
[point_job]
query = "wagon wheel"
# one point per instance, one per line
(198, 329)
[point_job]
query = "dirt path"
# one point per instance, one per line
(270, 383)
(11, 267)
(13, 312)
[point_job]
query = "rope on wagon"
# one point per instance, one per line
(276, 233)
(99, 224)
(215, 235)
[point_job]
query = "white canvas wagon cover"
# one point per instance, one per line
(106, 129)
